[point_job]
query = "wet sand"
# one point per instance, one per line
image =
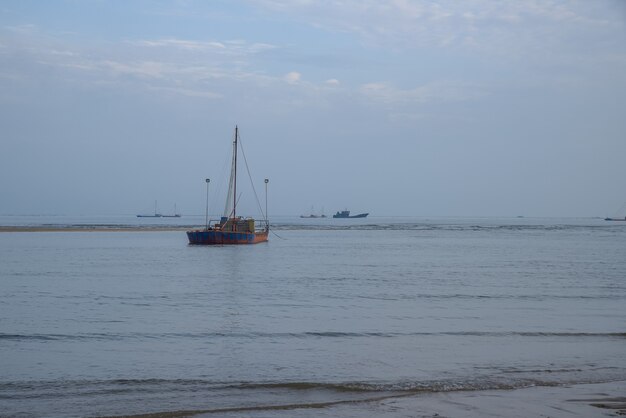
(586, 400)
(582, 400)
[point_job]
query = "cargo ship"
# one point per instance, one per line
(313, 216)
(232, 229)
(346, 214)
(156, 213)
(618, 215)
(175, 215)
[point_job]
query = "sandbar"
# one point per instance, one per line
(95, 228)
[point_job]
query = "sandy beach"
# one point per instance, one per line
(583, 400)
(587, 400)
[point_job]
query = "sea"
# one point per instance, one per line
(329, 316)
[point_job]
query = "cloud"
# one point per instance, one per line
(292, 77)
(189, 92)
(142, 69)
(230, 47)
(435, 92)
(171, 63)
(183, 66)
(22, 29)
(189, 45)
(501, 27)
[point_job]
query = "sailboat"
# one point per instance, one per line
(231, 229)
(619, 215)
(175, 215)
(156, 213)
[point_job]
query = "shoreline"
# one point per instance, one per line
(95, 228)
(577, 400)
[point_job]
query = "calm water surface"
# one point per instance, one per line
(112, 323)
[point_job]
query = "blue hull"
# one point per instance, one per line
(225, 237)
(360, 215)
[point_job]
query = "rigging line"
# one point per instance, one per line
(258, 202)
(272, 231)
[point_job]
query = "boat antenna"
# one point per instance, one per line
(207, 203)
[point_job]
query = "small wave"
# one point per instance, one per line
(86, 388)
(62, 388)
(300, 335)
(60, 337)
(20, 337)
(340, 392)
(459, 296)
(412, 226)
(406, 386)
(335, 334)
(286, 394)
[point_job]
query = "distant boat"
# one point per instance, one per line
(313, 216)
(175, 215)
(346, 214)
(618, 215)
(231, 229)
(156, 213)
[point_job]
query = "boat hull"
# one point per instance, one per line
(360, 215)
(217, 237)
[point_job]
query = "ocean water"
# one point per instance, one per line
(328, 313)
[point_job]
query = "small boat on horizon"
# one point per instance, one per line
(175, 215)
(346, 214)
(156, 213)
(313, 215)
(232, 229)
(619, 215)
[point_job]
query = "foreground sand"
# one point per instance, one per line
(590, 400)
(585, 400)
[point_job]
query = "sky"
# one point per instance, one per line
(396, 108)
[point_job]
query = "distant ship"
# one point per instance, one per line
(346, 214)
(156, 213)
(618, 215)
(232, 229)
(175, 215)
(313, 216)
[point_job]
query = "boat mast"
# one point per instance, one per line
(235, 177)
(267, 224)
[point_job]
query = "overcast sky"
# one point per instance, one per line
(404, 107)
